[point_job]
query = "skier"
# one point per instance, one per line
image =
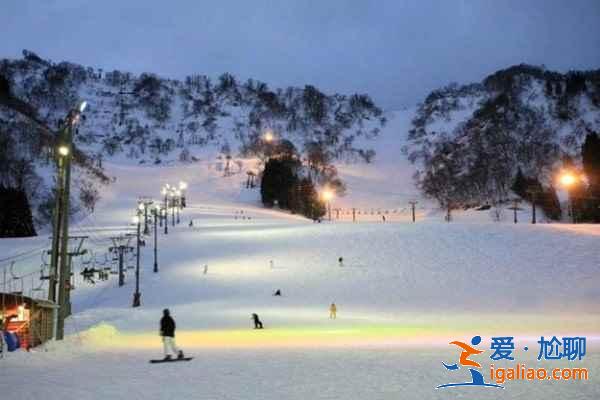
(167, 332)
(332, 311)
(383, 217)
(257, 323)
(191, 223)
(341, 261)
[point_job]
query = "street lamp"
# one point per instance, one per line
(63, 151)
(327, 195)
(137, 295)
(155, 211)
(567, 179)
(269, 136)
(164, 192)
(178, 193)
(143, 209)
(183, 187)
(60, 264)
(172, 201)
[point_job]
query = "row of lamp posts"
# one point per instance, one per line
(174, 198)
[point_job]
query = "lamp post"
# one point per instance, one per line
(183, 187)
(62, 151)
(155, 212)
(146, 229)
(178, 203)
(269, 138)
(165, 192)
(567, 179)
(137, 295)
(60, 259)
(172, 197)
(327, 195)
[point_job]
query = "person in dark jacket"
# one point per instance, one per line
(167, 332)
(257, 323)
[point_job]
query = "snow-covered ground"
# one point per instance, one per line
(403, 293)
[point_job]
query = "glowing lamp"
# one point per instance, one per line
(269, 137)
(327, 194)
(567, 179)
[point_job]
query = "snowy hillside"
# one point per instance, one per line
(470, 141)
(153, 120)
(403, 292)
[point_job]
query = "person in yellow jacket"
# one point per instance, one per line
(332, 311)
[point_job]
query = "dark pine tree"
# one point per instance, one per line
(590, 156)
(15, 214)
(279, 177)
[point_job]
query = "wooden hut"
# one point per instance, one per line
(32, 320)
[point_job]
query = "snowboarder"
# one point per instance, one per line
(277, 292)
(332, 311)
(167, 332)
(341, 261)
(257, 323)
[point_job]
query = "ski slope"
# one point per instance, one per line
(403, 293)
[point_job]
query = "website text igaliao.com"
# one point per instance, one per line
(522, 373)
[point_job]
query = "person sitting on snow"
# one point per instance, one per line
(167, 332)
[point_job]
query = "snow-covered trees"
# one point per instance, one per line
(470, 140)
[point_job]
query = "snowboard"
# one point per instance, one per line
(162, 360)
